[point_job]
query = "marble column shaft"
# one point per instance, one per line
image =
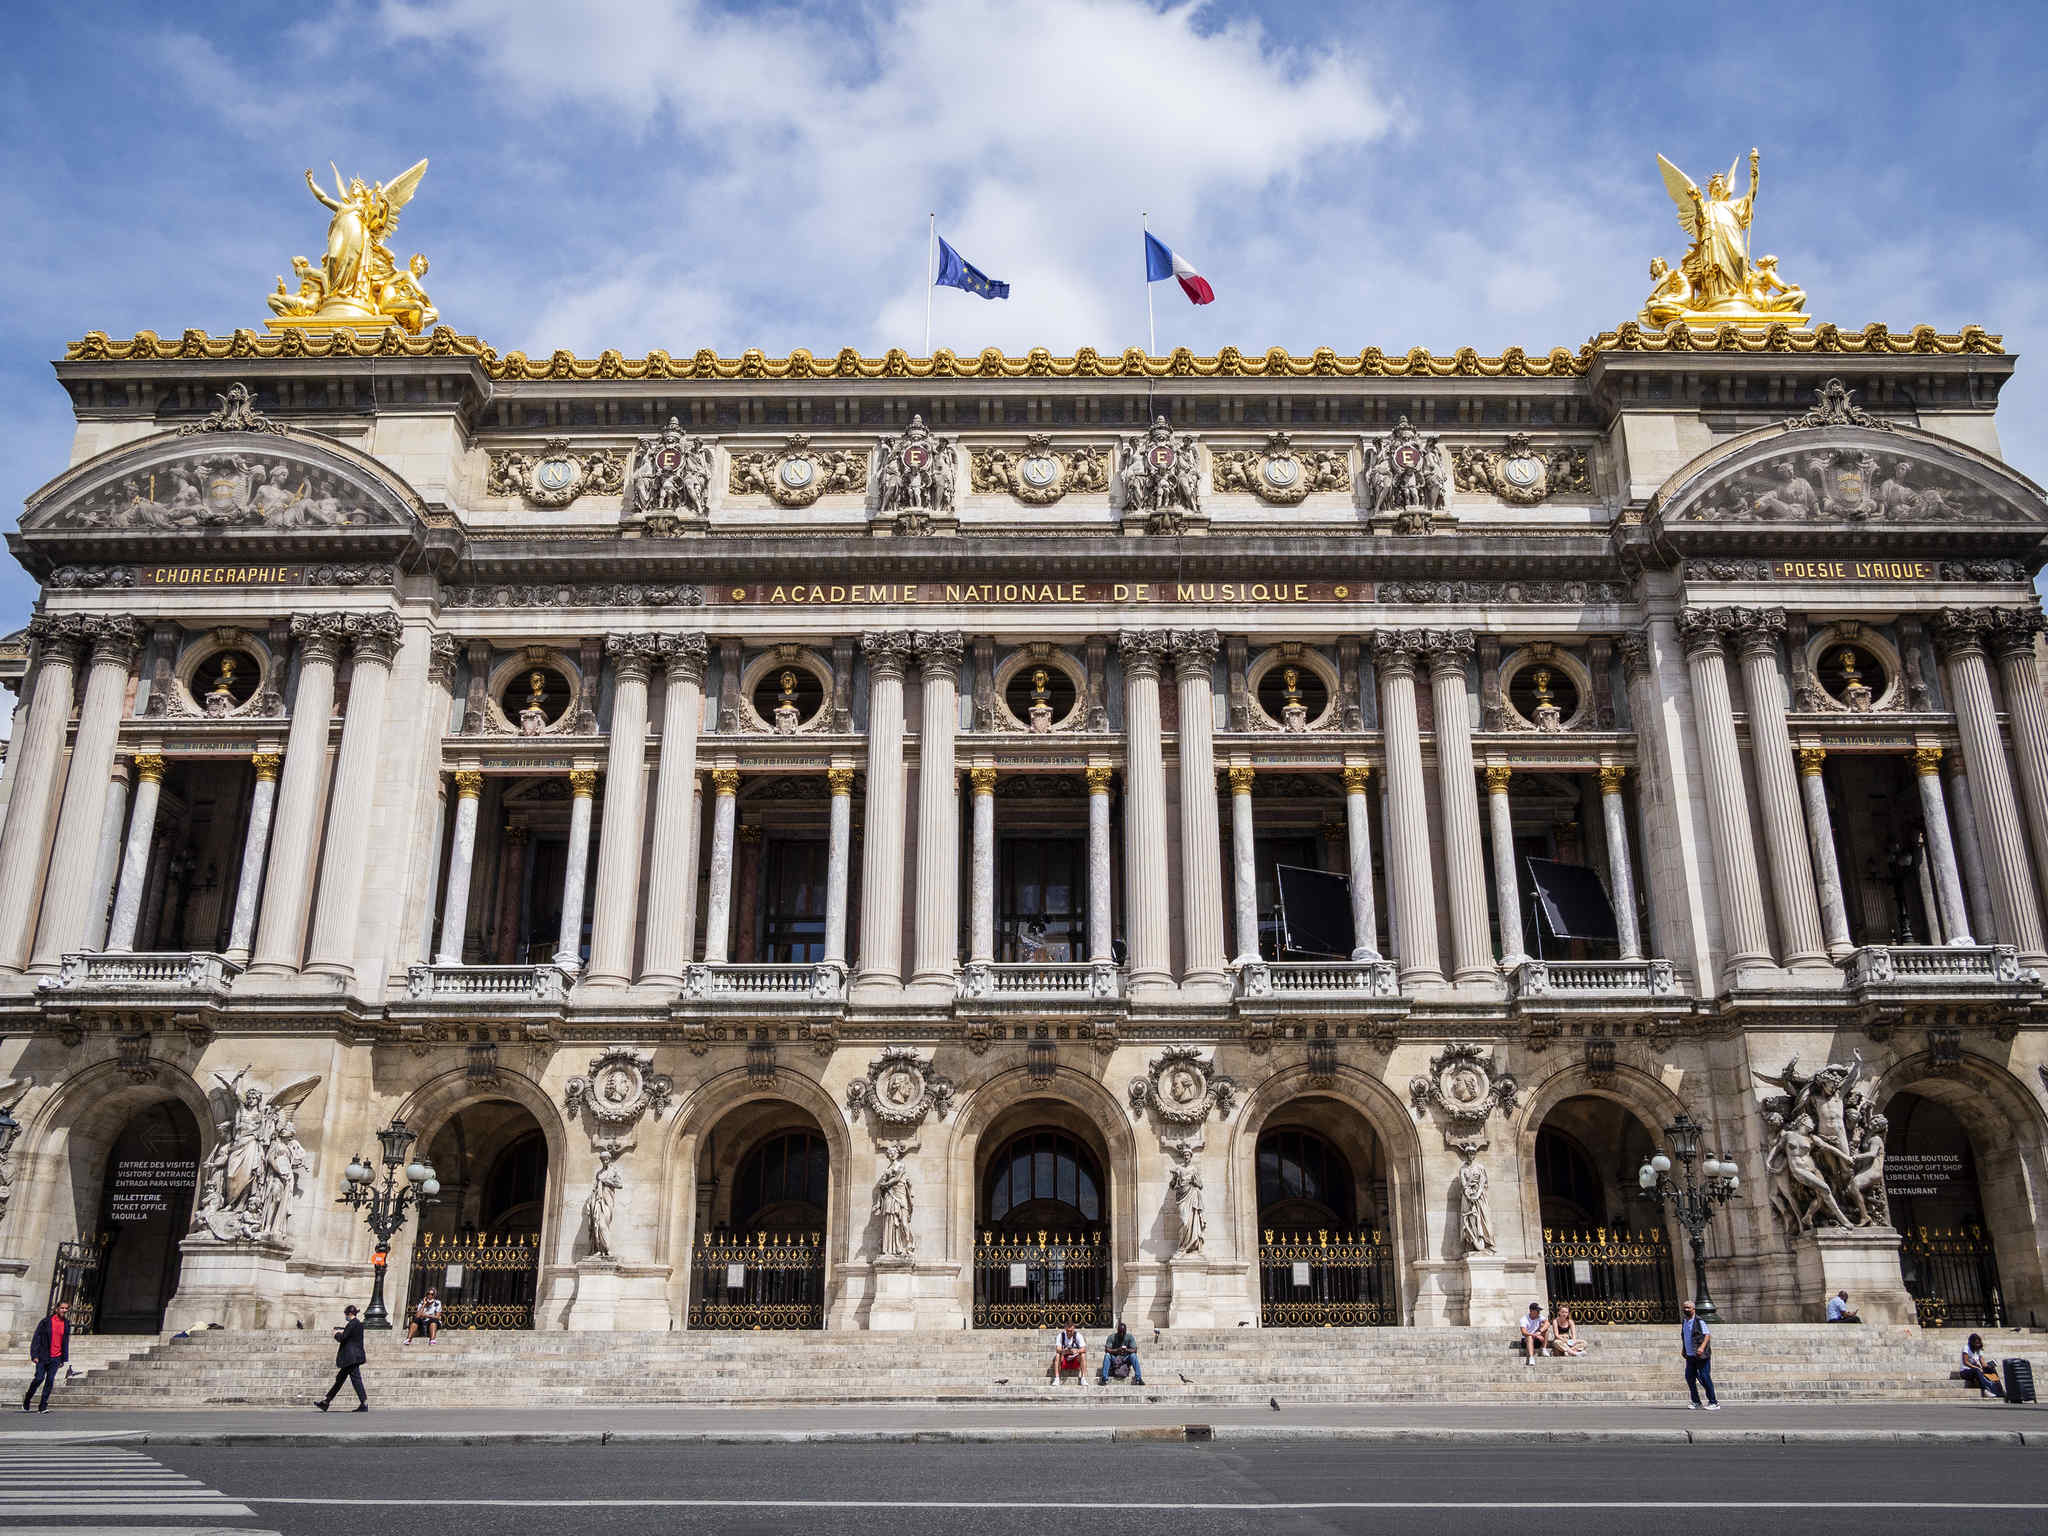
(1785, 835)
(2013, 642)
(35, 756)
(255, 848)
(68, 893)
(294, 838)
(672, 868)
(1365, 935)
(1244, 866)
(1827, 868)
(1506, 877)
(1201, 844)
(1703, 630)
(981, 921)
(512, 851)
(576, 868)
(2014, 902)
(882, 823)
(1621, 871)
(1148, 952)
(838, 863)
(1411, 885)
(1464, 864)
(149, 780)
(617, 913)
(1941, 849)
(469, 788)
(332, 949)
(937, 929)
(107, 865)
(1970, 849)
(725, 784)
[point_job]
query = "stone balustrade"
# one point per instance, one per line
(1317, 978)
(1055, 981)
(1939, 966)
(1594, 978)
(486, 983)
(756, 982)
(165, 971)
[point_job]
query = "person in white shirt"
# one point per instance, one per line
(1979, 1372)
(1696, 1341)
(1535, 1333)
(1069, 1353)
(426, 1318)
(1838, 1309)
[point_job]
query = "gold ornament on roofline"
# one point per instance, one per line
(1718, 282)
(358, 284)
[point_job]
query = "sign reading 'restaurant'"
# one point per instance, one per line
(1853, 570)
(796, 594)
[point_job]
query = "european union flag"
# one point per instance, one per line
(954, 272)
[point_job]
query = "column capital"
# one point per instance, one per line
(2013, 630)
(1703, 630)
(725, 781)
(442, 654)
(149, 767)
(1447, 649)
(938, 651)
(1811, 760)
(888, 652)
(266, 765)
(469, 783)
(1193, 650)
(1962, 631)
(582, 783)
(982, 780)
(1241, 778)
(1612, 777)
(839, 780)
(114, 639)
(1099, 777)
(319, 636)
(1497, 776)
(1927, 761)
(1757, 630)
(58, 634)
(1394, 650)
(1141, 650)
(1357, 778)
(1634, 646)
(684, 656)
(372, 636)
(632, 655)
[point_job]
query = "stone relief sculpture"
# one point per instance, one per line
(1041, 474)
(225, 490)
(1280, 473)
(1854, 485)
(554, 476)
(1405, 475)
(12, 1091)
(620, 1086)
(797, 474)
(257, 1170)
(1160, 477)
(1184, 1183)
(899, 1090)
(1826, 1159)
(1475, 1221)
(671, 476)
(919, 479)
(1182, 1089)
(1520, 475)
(606, 1185)
(895, 1204)
(1462, 1086)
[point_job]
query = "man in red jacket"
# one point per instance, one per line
(50, 1349)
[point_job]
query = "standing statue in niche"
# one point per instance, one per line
(12, 1091)
(895, 1204)
(1475, 1222)
(257, 1168)
(1184, 1181)
(605, 1187)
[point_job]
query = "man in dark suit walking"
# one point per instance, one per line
(348, 1362)
(50, 1350)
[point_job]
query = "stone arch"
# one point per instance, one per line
(433, 1103)
(1640, 1093)
(1388, 1119)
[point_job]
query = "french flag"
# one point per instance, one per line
(1161, 263)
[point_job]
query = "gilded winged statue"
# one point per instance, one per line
(358, 282)
(1718, 280)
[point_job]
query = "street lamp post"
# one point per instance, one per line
(1694, 1201)
(385, 1209)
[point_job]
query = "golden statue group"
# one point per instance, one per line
(1718, 282)
(358, 283)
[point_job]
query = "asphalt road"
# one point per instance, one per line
(1171, 1490)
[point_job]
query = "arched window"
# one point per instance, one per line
(1304, 1182)
(781, 1185)
(1572, 1195)
(515, 1187)
(1043, 1179)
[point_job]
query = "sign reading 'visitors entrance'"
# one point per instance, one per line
(145, 1187)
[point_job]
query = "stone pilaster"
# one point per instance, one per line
(1358, 839)
(1411, 888)
(672, 870)
(1621, 873)
(617, 914)
(937, 929)
(469, 788)
(576, 868)
(1744, 945)
(374, 641)
(1201, 853)
(1941, 851)
(1464, 865)
(149, 780)
(34, 758)
(1792, 885)
(881, 875)
(725, 789)
(1148, 955)
(295, 847)
(1100, 948)
(1506, 878)
(981, 923)
(1243, 866)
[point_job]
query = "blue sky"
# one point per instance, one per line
(677, 174)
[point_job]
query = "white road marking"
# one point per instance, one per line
(87, 1481)
(1679, 1506)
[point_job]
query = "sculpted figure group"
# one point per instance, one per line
(1826, 1159)
(257, 1170)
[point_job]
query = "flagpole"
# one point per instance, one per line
(1151, 331)
(931, 251)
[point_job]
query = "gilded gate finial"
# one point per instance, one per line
(1719, 282)
(357, 284)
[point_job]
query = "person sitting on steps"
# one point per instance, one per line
(1120, 1355)
(1838, 1309)
(1980, 1372)
(1564, 1334)
(426, 1318)
(1535, 1333)
(1069, 1354)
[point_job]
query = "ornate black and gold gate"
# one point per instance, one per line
(1611, 1276)
(76, 1279)
(482, 1281)
(1041, 1280)
(1952, 1276)
(762, 1280)
(1327, 1279)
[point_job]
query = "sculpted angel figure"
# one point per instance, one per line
(257, 1167)
(895, 1204)
(358, 276)
(1717, 268)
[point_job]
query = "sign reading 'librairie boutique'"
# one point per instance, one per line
(1004, 594)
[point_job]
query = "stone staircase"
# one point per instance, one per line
(1753, 1363)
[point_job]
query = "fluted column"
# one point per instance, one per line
(838, 864)
(981, 919)
(1148, 954)
(672, 872)
(725, 788)
(576, 868)
(1962, 633)
(332, 950)
(1702, 630)
(1941, 849)
(1201, 852)
(1621, 871)
(149, 781)
(1820, 836)
(938, 812)
(1792, 886)
(1365, 927)
(618, 845)
(1411, 887)
(1507, 884)
(2012, 641)
(1244, 866)
(106, 867)
(294, 838)
(1101, 946)
(469, 788)
(67, 897)
(35, 756)
(1464, 865)
(881, 873)
(1969, 848)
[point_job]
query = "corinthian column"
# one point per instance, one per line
(938, 812)
(618, 846)
(255, 845)
(1506, 881)
(332, 951)
(33, 757)
(1962, 633)
(1101, 949)
(1365, 927)
(1969, 847)
(2012, 640)
(1742, 898)
(881, 874)
(1244, 880)
(281, 931)
(1820, 835)
(1941, 850)
(469, 788)
(672, 871)
(725, 805)
(1464, 865)
(149, 781)
(838, 866)
(1411, 884)
(1778, 788)
(981, 917)
(106, 867)
(1621, 874)
(1201, 853)
(67, 898)
(576, 868)
(1147, 953)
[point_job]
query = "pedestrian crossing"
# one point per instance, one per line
(130, 1492)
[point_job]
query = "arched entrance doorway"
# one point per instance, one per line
(1948, 1259)
(480, 1242)
(123, 1282)
(1041, 1252)
(1605, 1251)
(764, 1183)
(1326, 1256)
